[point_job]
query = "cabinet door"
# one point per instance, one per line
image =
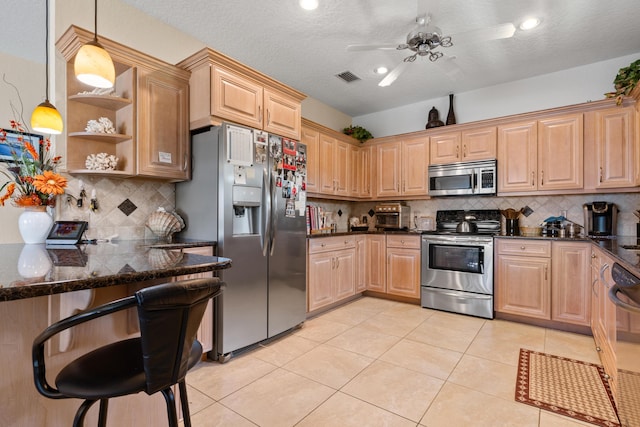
(327, 178)
(355, 174)
(205, 331)
(445, 148)
(614, 148)
(415, 162)
(320, 274)
(560, 153)
(517, 157)
(479, 144)
(236, 98)
(311, 138)
(388, 169)
(344, 274)
(570, 282)
(341, 167)
(376, 263)
(361, 263)
(365, 171)
(163, 126)
(523, 286)
(403, 272)
(284, 114)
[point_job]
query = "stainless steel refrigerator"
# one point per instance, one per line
(248, 193)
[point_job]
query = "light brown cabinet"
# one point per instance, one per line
(359, 171)
(148, 109)
(224, 89)
(403, 265)
(331, 270)
(376, 266)
(311, 138)
(611, 147)
(465, 146)
(603, 318)
(537, 155)
(334, 166)
(570, 278)
(401, 167)
(523, 277)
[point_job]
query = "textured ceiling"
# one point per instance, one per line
(307, 49)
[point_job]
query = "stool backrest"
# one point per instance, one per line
(169, 316)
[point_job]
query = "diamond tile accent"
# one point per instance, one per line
(127, 207)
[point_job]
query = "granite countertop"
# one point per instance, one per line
(28, 271)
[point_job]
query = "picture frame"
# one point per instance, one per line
(13, 143)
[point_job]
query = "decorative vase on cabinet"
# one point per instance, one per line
(34, 224)
(451, 117)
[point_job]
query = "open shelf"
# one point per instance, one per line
(103, 101)
(116, 173)
(104, 137)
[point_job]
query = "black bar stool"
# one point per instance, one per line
(169, 316)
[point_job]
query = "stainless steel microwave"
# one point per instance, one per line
(464, 178)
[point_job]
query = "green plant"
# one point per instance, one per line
(357, 132)
(625, 81)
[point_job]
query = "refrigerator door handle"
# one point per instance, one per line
(266, 213)
(273, 229)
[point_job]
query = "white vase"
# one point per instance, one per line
(34, 224)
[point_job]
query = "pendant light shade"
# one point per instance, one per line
(45, 118)
(93, 65)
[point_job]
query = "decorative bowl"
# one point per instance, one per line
(530, 231)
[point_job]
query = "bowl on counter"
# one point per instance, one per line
(530, 231)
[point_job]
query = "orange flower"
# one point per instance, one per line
(31, 150)
(10, 189)
(50, 183)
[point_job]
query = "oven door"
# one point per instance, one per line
(462, 263)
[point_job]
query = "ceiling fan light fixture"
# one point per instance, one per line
(308, 4)
(93, 64)
(529, 24)
(381, 70)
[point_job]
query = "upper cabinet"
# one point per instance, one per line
(148, 109)
(544, 154)
(463, 146)
(610, 143)
(401, 167)
(223, 89)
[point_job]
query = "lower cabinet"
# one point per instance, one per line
(546, 280)
(331, 272)
(376, 265)
(205, 332)
(403, 265)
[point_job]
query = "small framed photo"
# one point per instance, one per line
(14, 144)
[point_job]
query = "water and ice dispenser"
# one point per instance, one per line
(246, 209)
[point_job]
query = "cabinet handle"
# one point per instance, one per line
(541, 178)
(268, 117)
(533, 181)
(457, 152)
(598, 349)
(546, 270)
(606, 376)
(402, 241)
(593, 255)
(323, 245)
(184, 164)
(333, 263)
(522, 248)
(594, 288)
(602, 270)
(259, 111)
(337, 263)
(464, 150)
(600, 173)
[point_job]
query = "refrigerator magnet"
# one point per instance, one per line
(289, 146)
(290, 209)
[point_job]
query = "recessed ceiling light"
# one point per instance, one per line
(529, 24)
(381, 70)
(309, 4)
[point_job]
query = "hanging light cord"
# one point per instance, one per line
(46, 50)
(95, 21)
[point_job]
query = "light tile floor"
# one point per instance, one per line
(374, 362)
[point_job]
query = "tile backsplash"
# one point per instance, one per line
(123, 205)
(543, 207)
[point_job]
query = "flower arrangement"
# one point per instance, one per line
(357, 132)
(32, 178)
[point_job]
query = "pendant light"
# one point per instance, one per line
(93, 65)
(45, 118)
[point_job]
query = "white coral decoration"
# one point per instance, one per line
(102, 125)
(101, 162)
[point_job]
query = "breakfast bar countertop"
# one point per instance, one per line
(28, 271)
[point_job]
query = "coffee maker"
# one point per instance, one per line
(600, 219)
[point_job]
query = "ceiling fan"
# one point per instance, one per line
(426, 38)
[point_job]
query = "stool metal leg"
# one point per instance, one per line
(102, 419)
(184, 401)
(171, 407)
(78, 420)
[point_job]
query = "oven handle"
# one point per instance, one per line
(613, 296)
(459, 294)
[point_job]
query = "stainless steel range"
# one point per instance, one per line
(457, 267)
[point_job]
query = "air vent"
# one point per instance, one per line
(348, 76)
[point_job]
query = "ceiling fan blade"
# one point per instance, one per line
(393, 74)
(361, 47)
(502, 31)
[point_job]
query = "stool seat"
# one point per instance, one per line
(169, 316)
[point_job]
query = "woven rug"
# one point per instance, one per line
(565, 386)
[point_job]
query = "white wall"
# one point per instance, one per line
(567, 87)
